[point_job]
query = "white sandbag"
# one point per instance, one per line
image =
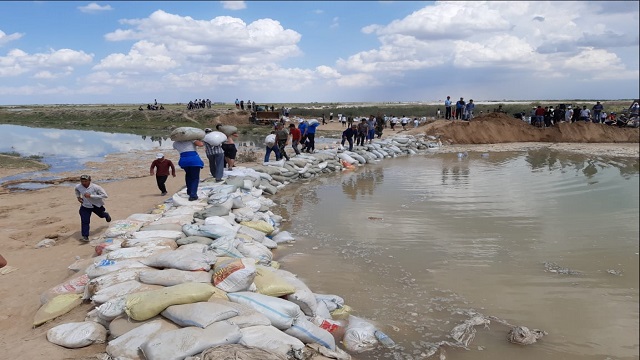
(252, 319)
(194, 240)
(283, 237)
(162, 242)
(313, 122)
(212, 231)
(244, 214)
(359, 335)
(228, 130)
(215, 138)
(255, 250)
(183, 210)
(83, 264)
(280, 312)
(270, 244)
(307, 332)
(270, 140)
(106, 266)
(136, 252)
(174, 220)
(154, 227)
(126, 346)
(234, 274)
(181, 260)
(94, 316)
(77, 334)
(331, 301)
(170, 277)
(253, 233)
(186, 133)
(201, 314)
(273, 340)
(178, 344)
(121, 289)
(226, 246)
(122, 227)
(75, 285)
(113, 278)
(218, 220)
(123, 324)
(144, 218)
(347, 158)
(112, 308)
(322, 311)
(168, 234)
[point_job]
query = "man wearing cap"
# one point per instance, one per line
(91, 196)
(162, 167)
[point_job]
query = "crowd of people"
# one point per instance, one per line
(550, 116)
(461, 110)
(199, 104)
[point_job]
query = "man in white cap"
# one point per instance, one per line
(91, 197)
(162, 167)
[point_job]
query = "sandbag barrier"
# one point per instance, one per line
(202, 272)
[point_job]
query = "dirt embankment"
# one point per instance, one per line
(501, 128)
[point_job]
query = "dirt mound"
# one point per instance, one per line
(501, 128)
(234, 118)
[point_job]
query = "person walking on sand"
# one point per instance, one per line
(215, 155)
(91, 197)
(191, 163)
(162, 167)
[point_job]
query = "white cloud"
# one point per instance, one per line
(56, 61)
(144, 56)
(335, 23)
(94, 8)
(234, 5)
(4, 38)
(327, 72)
(500, 51)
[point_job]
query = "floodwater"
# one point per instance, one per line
(414, 243)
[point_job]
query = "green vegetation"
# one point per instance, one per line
(13, 160)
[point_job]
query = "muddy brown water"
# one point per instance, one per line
(413, 243)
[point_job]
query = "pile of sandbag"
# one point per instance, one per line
(206, 283)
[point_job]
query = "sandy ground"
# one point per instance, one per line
(28, 217)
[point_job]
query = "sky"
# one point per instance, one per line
(56, 52)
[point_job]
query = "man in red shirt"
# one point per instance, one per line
(296, 136)
(539, 116)
(162, 166)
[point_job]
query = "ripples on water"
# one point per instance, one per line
(415, 243)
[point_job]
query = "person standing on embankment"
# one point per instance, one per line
(191, 163)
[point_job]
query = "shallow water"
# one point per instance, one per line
(412, 243)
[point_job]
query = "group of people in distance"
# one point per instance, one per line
(548, 116)
(199, 104)
(462, 110)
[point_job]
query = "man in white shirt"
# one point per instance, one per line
(568, 114)
(91, 196)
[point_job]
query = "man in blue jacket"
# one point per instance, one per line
(311, 137)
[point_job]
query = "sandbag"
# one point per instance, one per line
(226, 246)
(113, 278)
(283, 237)
(194, 239)
(237, 352)
(255, 250)
(126, 345)
(144, 218)
(269, 283)
(57, 306)
(359, 335)
(228, 130)
(270, 140)
(112, 308)
(307, 332)
(75, 285)
(331, 301)
(170, 277)
(181, 260)
(77, 334)
(172, 221)
(136, 252)
(212, 231)
(233, 275)
(178, 344)
(200, 314)
(186, 133)
(108, 245)
(121, 289)
(271, 339)
(169, 234)
(280, 312)
(215, 138)
(261, 226)
(145, 305)
(303, 296)
(172, 226)
(164, 242)
(122, 227)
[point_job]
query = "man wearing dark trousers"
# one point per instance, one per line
(162, 167)
(91, 196)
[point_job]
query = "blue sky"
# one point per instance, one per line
(325, 51)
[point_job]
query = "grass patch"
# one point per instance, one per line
(13, 160)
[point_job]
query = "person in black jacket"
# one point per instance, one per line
(349, 134)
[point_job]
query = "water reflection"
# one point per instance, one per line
(68, 150)
(586, 165)
(363, 182)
